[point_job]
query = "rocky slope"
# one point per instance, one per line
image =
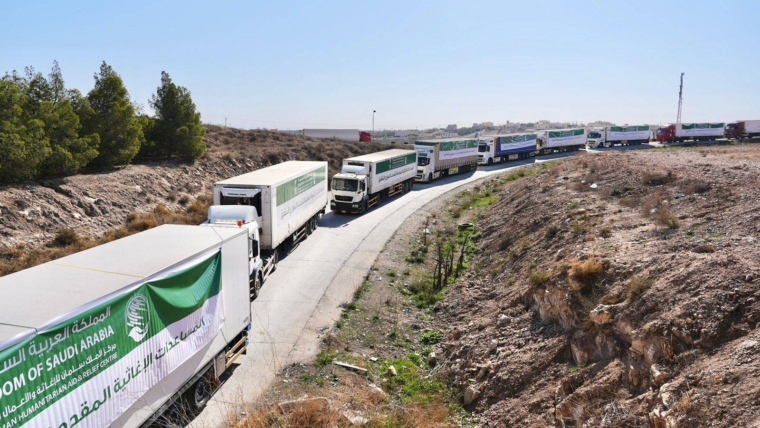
(91, 204)
(615, 290)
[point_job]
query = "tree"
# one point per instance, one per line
(112, 118)
(22, 138)
(177, 129)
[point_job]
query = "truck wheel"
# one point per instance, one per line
(430, 178)
(201, 393)
(275, 259)
(255, 287)
(490, 161)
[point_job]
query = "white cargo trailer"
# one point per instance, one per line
(449, 156)
(561, 140)
(365, 180)
(679, 132)
(352, 135)
(115, 335)
(608, 136)
(289, 199)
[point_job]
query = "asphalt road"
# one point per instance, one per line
(302, 298)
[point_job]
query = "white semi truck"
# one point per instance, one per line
(501, 148)
(352, 135)
(440, 158)
(288, 199)
(119, 334)
(365, 180)
(561, 140)
(679, 132)
(608, 136)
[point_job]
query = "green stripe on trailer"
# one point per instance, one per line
(447, 146)
(112, 352)
(396, 162)
(628, 128)
(703, 125)
(298, 185)
(567, 133)
(517, 138)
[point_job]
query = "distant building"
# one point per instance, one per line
(486, 124)
(451, 128)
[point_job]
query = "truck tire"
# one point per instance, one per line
(490, 161)
(255, 286)
(200, 393)
(430, 178)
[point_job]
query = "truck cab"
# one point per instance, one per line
(666, 134)
(486, 151)
(425, 164)
(242, 216)
(596, 138)
(349, 189)
(734, 130)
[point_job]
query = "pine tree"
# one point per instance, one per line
(113, 119)
(177, 129)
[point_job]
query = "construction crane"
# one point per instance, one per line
(680, 101)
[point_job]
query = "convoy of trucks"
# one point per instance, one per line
(680, 132)
(440, 158)
(743, 129)
(352, 135)
(608, 136)
(500, 148)
(287, 201)
(365, 180)
(560, 140)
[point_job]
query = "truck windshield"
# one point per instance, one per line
(344, 184)
(594, 134)
(423, 161)
(730, 127)
(482, 148)
(661, 131)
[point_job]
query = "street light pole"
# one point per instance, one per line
(373, 123)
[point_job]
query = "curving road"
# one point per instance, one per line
(302, 298)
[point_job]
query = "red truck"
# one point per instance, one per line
(676, 133)
(743, 129)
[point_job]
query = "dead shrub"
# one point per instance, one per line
(697, 186)
(605, 232)
(538, 278)
(65, 238)
(584, 273)
(665, 218)
(184, 200)
(658, 179)
(637, 286)
(632, 202)
(704, 249)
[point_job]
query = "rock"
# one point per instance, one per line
(602, 314)
(376, 392)
(503, 320)
(659, 374)
(392, 371)
(432, 359)
(493, 345)
(470, 394)
(354, 418)
(318, 404)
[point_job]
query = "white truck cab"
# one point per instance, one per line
(596, 137)
(349, 186)
(242, 216)
(486, 151)
(425, 164)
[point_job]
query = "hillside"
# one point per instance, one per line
(615, 290)
(92, 204)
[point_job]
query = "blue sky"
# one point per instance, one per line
(291, 65)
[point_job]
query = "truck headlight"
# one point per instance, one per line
(355, 206)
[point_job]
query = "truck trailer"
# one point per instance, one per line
(288, 198)
(675, 133)
(561, 140)
(743, 129)
(365, 180)
(440, 158)
(502, 148)
(119, 334)
(352, 135)
(608, 136)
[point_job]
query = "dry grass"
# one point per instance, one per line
(538, 278)
(605, 232)
(665, 218)
(68, 241)
(696, 186)
(704, 249)
(658, 179)
(637, 286)
(584, 273)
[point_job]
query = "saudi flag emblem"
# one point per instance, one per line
(138, 317)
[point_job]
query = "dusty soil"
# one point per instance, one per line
(94, 203)
(618, 289)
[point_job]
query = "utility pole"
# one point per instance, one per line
(373, 123)
(680, 101)
(225, 122)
